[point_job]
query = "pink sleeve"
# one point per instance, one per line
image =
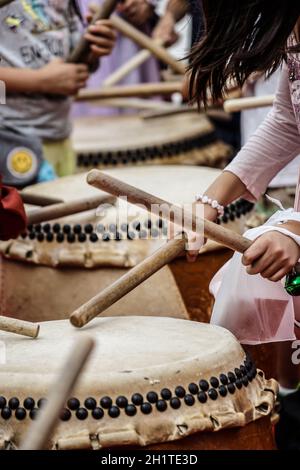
(275, 143)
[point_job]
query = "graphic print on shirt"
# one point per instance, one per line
(43, 29)
(41, 14)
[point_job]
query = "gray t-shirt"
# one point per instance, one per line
(32, 33)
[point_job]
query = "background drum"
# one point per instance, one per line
(186, 138)
(56, 267)
(150, 381)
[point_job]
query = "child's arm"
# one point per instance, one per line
(275, 143)
(55, 78)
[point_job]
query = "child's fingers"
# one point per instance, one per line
(194, 244)
(82, 74)
(127, 5)
(261, 264)
(89, 17)
(192, 256)
(279, 275)
(100, 51)
(273, 269)
(256, 250)
(267, 267)
(103, 27)
(100, 41)
(82, 68)
(81, 84)
(102, 30)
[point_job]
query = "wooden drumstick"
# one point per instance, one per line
(19, 327)
(41, 430)
(67, 208)
(39, 200)
(146, 42)
(241, 104)
(136, 61)
(127, 91)
(172, 212)
(134, 103)
(127, 283)
(81, 52)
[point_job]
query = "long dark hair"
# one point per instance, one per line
(241, 37)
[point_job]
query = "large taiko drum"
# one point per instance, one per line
(159, 382)
(186, 138)
(56, 267)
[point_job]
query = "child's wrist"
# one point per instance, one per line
(208, 212)
(38, 81)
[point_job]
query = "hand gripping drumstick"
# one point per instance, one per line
(134, 195)
(160, 258)
(19, 327)
(63, 209)
(81, 52)
(125, 69)
(40, 432)
(145, 42)
(240, 104)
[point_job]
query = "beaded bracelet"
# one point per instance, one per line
(211, 202)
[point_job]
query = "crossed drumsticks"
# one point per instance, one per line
(143, 270)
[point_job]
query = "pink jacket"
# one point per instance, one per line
(277, 140)
(254, 309)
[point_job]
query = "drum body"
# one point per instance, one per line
(187, 138)
(159, 382)
(56, 267)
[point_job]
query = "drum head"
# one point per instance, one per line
(132, 132)
(181, 139)
(148, 380)
(176, 184)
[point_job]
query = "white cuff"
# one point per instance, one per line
(283, 216)
(282, 230)
(271, 225)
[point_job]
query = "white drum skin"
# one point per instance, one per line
(192, 377)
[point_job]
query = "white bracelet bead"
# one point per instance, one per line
(211, 202)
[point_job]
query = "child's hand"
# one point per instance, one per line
(272, 255)
(102, 37)
(137, 12)
(59, 78)
(165, 30)
(197, 240)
